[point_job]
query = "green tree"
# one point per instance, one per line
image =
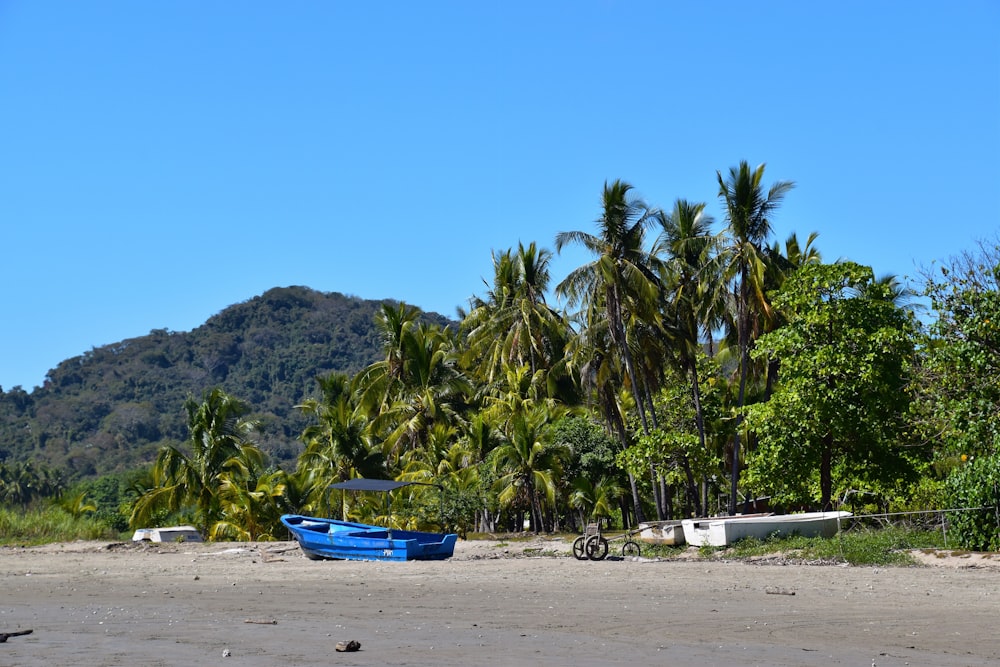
(693, 287)
(251, 507)
(337, 442)
(839, 407)
(959, 397)
(748, 216)
(220, 450)
(513, 325)
(958, 406)
(431, 390)
(621, 285)
(528, 464)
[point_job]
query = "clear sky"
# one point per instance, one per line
(160, 161)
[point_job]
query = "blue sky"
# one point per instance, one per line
(161, 161)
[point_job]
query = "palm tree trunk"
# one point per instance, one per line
(744, 335)
(699, 419)
(636, 503)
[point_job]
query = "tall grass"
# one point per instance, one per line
(49, 524)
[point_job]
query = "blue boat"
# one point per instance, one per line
(342, 540)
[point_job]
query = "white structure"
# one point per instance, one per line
(171, 534)
(724, 530)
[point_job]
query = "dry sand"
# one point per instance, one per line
(519, 603)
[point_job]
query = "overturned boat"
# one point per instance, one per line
(724, 530)
(169, 534)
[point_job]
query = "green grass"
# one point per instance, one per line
(52, 524)
(886, 546)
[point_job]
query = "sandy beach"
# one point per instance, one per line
(494, 603)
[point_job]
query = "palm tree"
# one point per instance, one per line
(378, 382)
(252, 508)
(337, 443)
(528, 464)
(594, 499)
(622, 281)
(748, 210)
(513, 325)
(220, 450)
(429, 389)
(693, 286)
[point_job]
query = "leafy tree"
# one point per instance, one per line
(959, 393)
(958, 406)
(841, 401)
(975, 486)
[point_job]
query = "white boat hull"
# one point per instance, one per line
(723, 531)
(171, 534)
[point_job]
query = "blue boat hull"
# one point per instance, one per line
(343, 540)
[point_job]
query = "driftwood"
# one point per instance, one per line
(4, 636)
(271, 556)
(775, 590)
(261, 621)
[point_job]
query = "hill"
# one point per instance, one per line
(113, 407)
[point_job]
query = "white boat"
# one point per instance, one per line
(170, 534)
(722, 531)
(669, 533)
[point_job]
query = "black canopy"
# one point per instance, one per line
(362, 484)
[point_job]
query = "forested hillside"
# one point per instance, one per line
(111, 408)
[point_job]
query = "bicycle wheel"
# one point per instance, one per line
(630, 549)
(596, 548)
(579, 548)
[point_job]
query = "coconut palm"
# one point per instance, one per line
(337, 443)
(623, 278)
(252, 508)
(513, 325)
(378, 383)
(621, 285)
(429, 389)
(598, 499)
(219, 449)
(528, 465)
(748, 211)
(692, 287)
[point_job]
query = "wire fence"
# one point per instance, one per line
(918, 519)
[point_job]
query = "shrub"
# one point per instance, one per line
(976, 484)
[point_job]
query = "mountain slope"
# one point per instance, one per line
(114, 406)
